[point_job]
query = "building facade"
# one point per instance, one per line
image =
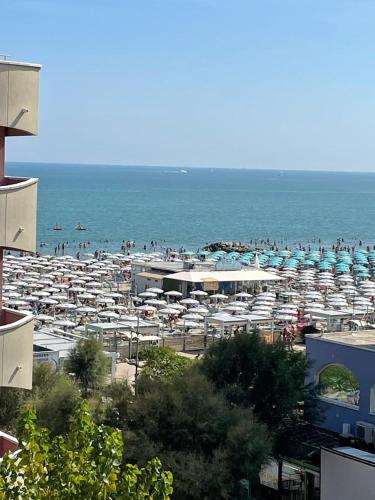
(19, 103)
(344, 365)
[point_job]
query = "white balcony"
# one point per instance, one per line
(16, 349)
(19, 91)
(18, 205)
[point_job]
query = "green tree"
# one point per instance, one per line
(163, 363)
(268, 378)
(88, 363)
(117, 397)
(191, 427)
(56, 406)
(84, 465)
(55, 395)
(11, 400)
(338, 378)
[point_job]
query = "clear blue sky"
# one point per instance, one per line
(226, 83)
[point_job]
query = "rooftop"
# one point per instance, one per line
(362, 339)
(225, 276)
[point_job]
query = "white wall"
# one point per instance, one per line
(346, 478)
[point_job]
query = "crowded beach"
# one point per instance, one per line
(188, 299)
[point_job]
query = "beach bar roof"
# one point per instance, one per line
(243, 275)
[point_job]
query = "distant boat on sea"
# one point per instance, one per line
(79, 227)
(57, 227)
(183, 171)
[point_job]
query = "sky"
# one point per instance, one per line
(282, 84)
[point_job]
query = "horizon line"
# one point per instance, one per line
(195, 167)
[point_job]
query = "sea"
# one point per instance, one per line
(190, 207)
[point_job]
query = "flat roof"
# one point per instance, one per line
(354, 452)
(53, 342)
(362, 339)
(18, 63)
(235, 319)
(224, 276)
(155, 276)
(151, 265)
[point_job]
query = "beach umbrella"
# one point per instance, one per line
(187, 324)
(104, 300)
(242, 295)
(86, 310)
(155, 290)
(17, 303)
(146, 308)
(173, 293)
(65, 323)
(198, 310)
(117, 307)
(48, 301)
(146, 295)
(67, 306)
(285, 317)
(169, 310)
(199, 293)
(108, 314)
(234, 309)
(86, 296)
(45, 318)
(12, 295)
(189, 301)
(156, 302)
(192, 316)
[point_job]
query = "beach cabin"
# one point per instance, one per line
(227, 282)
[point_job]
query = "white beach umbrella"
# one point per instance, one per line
(17, 303)
(146, 308)
(108, 314)
(234, 309)
(192, 316)
(86, 296)
(146, 295)
(285, 317)
(169, 310)
(219, 296)
(44, 318)
(173, 293)
(86, 310)
(67, 306)
(156, 302)
(77, 289)
(65, 323)
(189, 301)
(198, 310)
(199, 293)
(187, 324)
(155, 290)
(48, 301)
(243, 295)
(104, 300)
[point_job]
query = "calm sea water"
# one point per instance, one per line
(203, 205)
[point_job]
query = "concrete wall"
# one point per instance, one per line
(345, 478)
(359, 361)
(19, 103)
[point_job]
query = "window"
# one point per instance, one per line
(372, 400)
(338, 383)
